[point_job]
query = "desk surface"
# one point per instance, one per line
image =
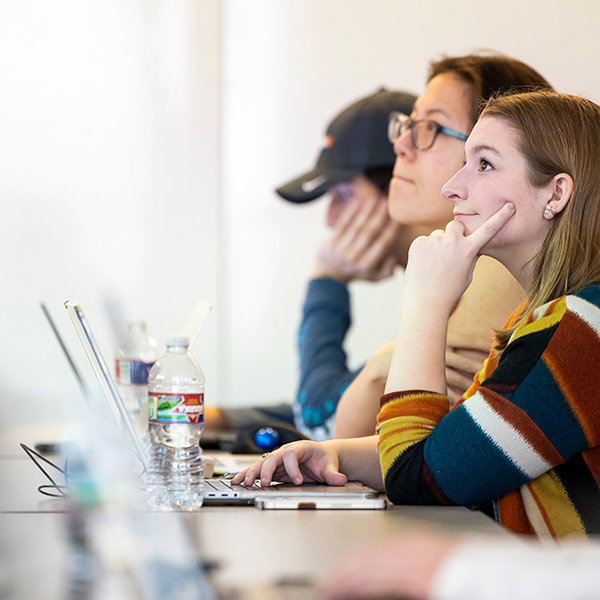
(251, 546)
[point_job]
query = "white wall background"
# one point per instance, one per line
(140, 143)
(109, 171)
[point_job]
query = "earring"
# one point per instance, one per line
(549, 212)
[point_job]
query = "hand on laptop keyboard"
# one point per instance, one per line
(298, 462)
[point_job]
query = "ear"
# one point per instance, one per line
(560, 188)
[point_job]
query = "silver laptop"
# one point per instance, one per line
(353, 495)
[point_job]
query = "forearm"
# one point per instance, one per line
(359, 460)
(419, 357)
(439, 271)
(416, 387)
(323, 369)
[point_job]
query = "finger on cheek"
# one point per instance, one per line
(507, 211)
(503, 216)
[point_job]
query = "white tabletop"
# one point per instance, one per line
(250, 546)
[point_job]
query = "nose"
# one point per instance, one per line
(454, 189)
(403, 145)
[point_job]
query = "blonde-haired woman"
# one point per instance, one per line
(525, 443)
(525, 440)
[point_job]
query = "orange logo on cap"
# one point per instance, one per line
(328, 142)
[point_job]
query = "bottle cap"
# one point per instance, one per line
(177, 340)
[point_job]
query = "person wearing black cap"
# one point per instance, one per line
(355, 168)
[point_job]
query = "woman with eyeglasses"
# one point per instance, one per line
(523, 443)
(429, 146)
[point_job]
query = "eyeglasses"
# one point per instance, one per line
(423, 132)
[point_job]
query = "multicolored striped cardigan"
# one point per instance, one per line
(525, 436)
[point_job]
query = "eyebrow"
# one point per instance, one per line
(483, 148)
(431, 112)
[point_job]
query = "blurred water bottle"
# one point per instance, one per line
(136, 355)
(175, 422)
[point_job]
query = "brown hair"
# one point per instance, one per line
(489, 75)
(559, 133)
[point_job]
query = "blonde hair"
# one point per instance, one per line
(559, 133)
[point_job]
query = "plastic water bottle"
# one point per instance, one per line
(136, 355)
(175, 422)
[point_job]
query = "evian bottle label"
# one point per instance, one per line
(175, 408)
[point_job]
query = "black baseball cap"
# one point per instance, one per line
(355, 141)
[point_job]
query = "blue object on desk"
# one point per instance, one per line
(255, 440)
(267, 438)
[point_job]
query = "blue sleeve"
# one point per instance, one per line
(324, 375)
